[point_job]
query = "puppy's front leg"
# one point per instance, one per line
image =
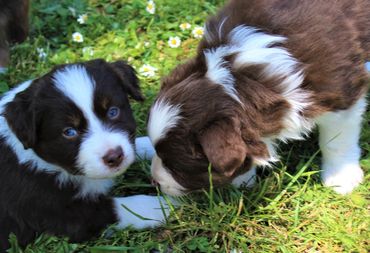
(144, 148)
(141, 211)
(339, 136)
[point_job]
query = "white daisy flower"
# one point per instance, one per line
(198, 32)
(77, 37)
(82, 19)
(147, 70)
(42, 53)
(146, 44)
(185, 26)
(174, 42)
(150, 7)
(88, 50)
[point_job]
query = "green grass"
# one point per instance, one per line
(287, 211)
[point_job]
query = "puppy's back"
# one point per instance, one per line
(330, 38)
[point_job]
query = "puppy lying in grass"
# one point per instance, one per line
(63, 138)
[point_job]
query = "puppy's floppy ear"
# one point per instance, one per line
(21, 117)
(127, 74)
(223, 145)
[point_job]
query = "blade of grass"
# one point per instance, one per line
(294, 179)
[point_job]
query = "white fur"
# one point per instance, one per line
(246, 38)
(218, 72)
(87, 187)
(273, 156)
(339, 136)
(253, 47)
(248, 179)
(149, 207)
(75, 83)
(163, 117)
(220, 27)
(257, 48)
(241, 39)
(95, 146)
(168, 184)
(144, 148)
(209, 37)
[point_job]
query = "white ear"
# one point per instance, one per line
(144, 148)
(141, 211)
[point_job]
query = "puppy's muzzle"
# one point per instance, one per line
(113, 158)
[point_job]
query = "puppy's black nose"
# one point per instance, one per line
(113, 157)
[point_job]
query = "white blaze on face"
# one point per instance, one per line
(163, 117)
(168, 184)
(75, 83)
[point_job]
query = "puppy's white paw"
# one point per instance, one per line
(143, 211)
(248, 179)
(144, 148)
(342, 178)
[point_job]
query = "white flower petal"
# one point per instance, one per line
(147, 71)
(174, 42)
(77, 37)
(150, 7)
(185, 26)
(198, 32)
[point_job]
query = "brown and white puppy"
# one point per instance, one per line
(266, 71)
(13, 26)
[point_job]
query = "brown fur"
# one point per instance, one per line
(331, 40)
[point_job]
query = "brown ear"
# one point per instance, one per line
(224, 147)
(129, 79)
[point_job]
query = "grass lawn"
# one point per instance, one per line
(287, 211)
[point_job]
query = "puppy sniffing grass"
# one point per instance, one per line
(266, 71)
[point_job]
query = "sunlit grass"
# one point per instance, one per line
(287, 211)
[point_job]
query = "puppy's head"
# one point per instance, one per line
(195, 125)
(78, 117)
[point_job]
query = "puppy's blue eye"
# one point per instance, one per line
(113, 112)
(70, 132)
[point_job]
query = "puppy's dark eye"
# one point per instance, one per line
(113, 112)
(70, 133)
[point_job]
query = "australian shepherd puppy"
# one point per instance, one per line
(63, 138)
(266, 71)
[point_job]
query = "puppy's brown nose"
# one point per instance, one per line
(113, 157)
(154, 182)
